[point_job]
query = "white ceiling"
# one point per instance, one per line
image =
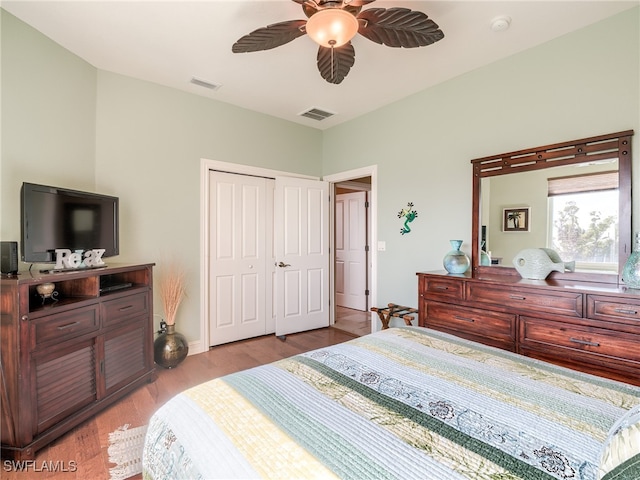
(170, 42)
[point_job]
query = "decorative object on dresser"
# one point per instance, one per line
(631, 269)
(485, 257)
(47, 290)
(456, 261)
(538, 263)
(65, 361)
(553, 255)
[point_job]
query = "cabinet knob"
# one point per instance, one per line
(24, 318)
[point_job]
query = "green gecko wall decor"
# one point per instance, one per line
(409, 216)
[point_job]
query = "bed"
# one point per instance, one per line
(405, 403)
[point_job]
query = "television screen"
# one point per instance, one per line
(58, 218)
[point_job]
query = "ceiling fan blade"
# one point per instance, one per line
(269, 37)
(398, 27)
(335, 63)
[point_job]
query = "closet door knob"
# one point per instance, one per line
(282, 265)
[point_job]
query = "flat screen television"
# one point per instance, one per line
(54, 218)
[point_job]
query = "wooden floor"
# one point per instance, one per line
(353, 321)
(84, 449)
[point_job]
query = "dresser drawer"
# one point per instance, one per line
(613, 309)
(123, 308)
(493, 328)
(520, 298)
(595, 341)
(62, 326)
(442, 287)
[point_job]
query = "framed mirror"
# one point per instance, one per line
(572, 197)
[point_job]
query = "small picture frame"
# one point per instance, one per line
(516, 219)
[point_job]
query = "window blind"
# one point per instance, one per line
(592, 182)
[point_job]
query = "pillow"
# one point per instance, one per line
(629, 470)
(620, 455)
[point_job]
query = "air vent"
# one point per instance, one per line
(316, 114)
(205, 84)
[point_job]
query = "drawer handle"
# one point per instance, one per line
(441, 288)
(516, 297)
(626, 312)
(128, 307)
(68, 325)
(584, 342)
(464, 319)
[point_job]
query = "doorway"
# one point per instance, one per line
(351, 247)
(354, 257)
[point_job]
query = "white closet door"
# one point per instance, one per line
(301, 217)
(239, 249)
(351, 254)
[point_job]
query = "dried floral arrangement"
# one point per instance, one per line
(172, 291)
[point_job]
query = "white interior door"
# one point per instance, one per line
(240, 256)
(301, 219)
(351, 254)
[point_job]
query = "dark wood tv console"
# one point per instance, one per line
(586, 326)
(66, 358)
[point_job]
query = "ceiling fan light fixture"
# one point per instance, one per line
(332, 27)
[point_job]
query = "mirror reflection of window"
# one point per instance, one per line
(583, 220)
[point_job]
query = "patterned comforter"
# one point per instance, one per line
(405, 403)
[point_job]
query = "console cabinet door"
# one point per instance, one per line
(64, 380)
(125, 354)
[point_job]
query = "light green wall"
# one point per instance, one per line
(580, 85)
(150, 140)
(48, 118)
(68, 124)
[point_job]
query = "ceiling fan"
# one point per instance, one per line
(333, 23)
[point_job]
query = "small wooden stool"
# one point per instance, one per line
(393, 310)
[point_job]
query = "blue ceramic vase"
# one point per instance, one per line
(456, 261)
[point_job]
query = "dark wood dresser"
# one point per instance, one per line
(586, 326)
(67, 358)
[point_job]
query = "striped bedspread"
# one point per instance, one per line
(403, 403)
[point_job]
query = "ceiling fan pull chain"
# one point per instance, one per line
(332, 43)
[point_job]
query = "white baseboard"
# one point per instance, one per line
(196, 347)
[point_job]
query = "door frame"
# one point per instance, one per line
(370, 171)
(205, 166)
